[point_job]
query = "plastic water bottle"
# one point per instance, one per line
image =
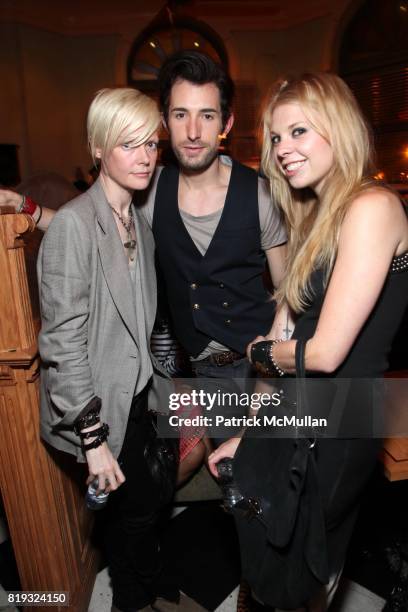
(230, 492)
(233, 499)
(94, 501)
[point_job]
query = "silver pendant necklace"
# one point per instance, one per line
(130, 244)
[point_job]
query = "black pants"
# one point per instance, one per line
(131, 532)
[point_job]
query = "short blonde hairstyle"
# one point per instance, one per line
(314, 223)
(118, 116)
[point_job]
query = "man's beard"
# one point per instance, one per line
(196, 164)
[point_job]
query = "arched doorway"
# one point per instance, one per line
(164, 37)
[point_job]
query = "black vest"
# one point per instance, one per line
(219, 296)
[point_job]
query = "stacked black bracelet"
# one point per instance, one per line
(100, 434)
(91, 418)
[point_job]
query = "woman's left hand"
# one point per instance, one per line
(103, 466)
(227, 449)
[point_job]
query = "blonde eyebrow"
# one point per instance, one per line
(292, 125)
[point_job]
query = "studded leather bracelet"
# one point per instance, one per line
(101, 433)
(260, 357)
(263, 359)
(89, 416)
(272, 361)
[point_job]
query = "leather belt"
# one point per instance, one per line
(221, 359)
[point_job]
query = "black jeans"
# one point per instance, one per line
(131, 532)
(237, 377)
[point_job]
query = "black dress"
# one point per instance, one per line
(342, 465)
(345, 464)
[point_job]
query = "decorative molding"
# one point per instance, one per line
(7, 375)
(33, 372)
(13, 227)
(77, 18)
(19, 358)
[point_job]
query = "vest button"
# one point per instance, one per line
(193, 286)
(227, 321)
(222, 285)
(225, 304)
(196, 306)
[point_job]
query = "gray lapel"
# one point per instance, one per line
(145, 253)
(113, 259)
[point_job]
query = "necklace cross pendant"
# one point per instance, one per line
(130, 244)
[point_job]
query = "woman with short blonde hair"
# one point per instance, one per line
(98, 303)
(120, 115)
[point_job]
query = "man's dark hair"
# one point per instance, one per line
(199, 69)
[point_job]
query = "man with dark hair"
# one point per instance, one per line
(213, 222)
(199, 69)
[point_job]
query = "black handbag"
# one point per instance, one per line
(162, 458)
(282, 540)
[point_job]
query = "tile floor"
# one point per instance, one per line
(351, 597)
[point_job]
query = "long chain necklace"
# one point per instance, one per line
(130, 243)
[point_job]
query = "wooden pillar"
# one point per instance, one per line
(42, 489)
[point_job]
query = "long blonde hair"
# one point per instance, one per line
(314, 223)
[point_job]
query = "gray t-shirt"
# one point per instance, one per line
(202, 228)
(146, 368)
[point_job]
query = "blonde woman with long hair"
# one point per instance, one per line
(346, 288)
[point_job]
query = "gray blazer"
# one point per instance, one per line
(88, 340)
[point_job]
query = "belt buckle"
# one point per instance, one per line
(225, 358)
(214, 359)
(218, 359)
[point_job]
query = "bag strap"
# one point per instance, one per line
(301, 394)
(300, 377)
(300, 358)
